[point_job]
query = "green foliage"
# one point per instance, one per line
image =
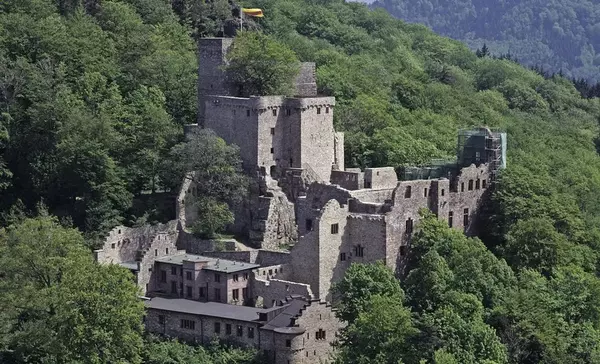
(360, 282)
(259, 65)
(58, 305)
(213, 217)
(556, 35)
(380, 334)
(157, 351)
(93, 95)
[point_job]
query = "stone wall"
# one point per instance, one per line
(271, 291)
(204, 330)
(211, 78)
(380, 178)
(306, 81)
(348, 180)
(315, 317)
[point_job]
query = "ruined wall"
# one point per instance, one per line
(348, 180)
(374, 196)
(468, 194)
(125, 244)
(380, 178)
(331, 226)
(267, 257)
(273, 290)
(280, 222)
(339, 151)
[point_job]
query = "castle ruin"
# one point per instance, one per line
(303, 197)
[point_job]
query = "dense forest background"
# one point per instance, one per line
(557, 35)
(93, 98)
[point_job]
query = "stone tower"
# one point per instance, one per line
(211, 78)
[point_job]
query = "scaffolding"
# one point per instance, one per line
(482, 145)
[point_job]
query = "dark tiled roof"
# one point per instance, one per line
(285, 318)
(212, 309)
(212, 264)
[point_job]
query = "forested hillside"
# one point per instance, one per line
(558, 35)
(94, 94)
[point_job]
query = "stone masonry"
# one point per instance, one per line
(301, 196)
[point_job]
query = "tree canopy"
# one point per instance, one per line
(557, 36)
(261, 66)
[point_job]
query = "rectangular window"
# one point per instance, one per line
(236, 277)
(190, 291)
(288, 343)
(274, 112)
(359, 250)
(425, 192)
(244, 293)
(167, 251)
(318, 110)
(163, 276)
(217, 327)
(218, 294)
(251, 332)
(483, 184)
(240, 330)
(272, 131)
(408, 192)
(320, 335)
(288, 112)
(155, 252)
(470, 185)
(228, 329)
(217, 278)
(477, 184)
(236, 294)
(188, 276)
(309, 225)
(409, 226)
(450, 219)
(188, 324)
(245, 276)
(342, 256)
(402, 250)
(161, 319)
(477, 156)
(202, 293)
(466, 218)
(174, 287)
(335, 228)
(462, 187)
(112, 245)
(272, 150)
(174, 271)
(327, 110)
(247, 112)
(443, 192)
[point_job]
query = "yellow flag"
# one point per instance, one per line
(257, 13)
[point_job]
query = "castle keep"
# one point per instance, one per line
(274, 299)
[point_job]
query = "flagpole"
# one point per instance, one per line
(241, 19)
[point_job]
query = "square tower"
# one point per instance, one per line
(211, 77)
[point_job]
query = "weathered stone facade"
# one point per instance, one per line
(301, 196)
(297, 331)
